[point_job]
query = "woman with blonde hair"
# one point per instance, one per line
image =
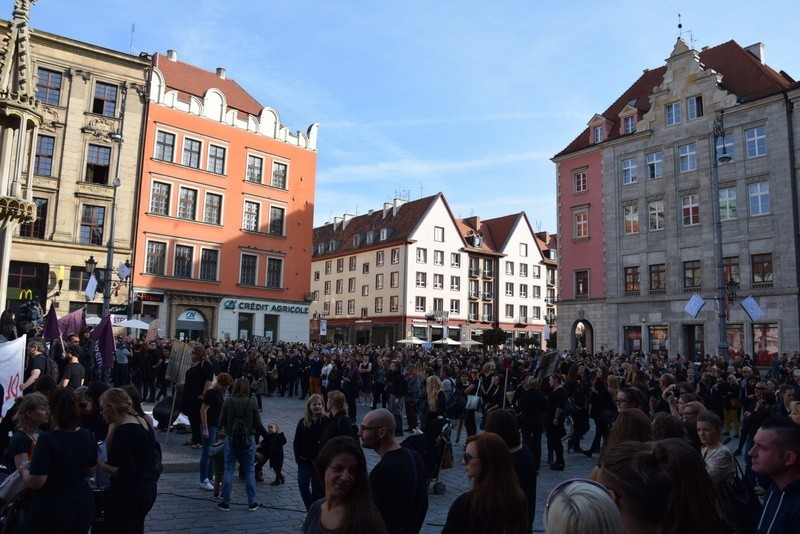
(131, 464)
(306, 446)
(579, 506)
(495, 504)
(32, 413)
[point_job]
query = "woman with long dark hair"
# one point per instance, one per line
(306, 446)
(347, 506)
(495, 504)
(198, 380)
(602, 411)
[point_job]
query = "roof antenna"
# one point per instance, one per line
(680, 27)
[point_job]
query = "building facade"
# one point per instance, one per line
(642, 224)
(92, 103)
(225, 211)
(412, 269)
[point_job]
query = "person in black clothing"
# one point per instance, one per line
(556, 402)
(198, 380)
(87, 356)
(271, 448)
(306, 446)
(531, 406)
(74, 372)
(576, 390)
(37, 366)
(398, 481)
(603, 410)
(8, 326)
(396, 389)
(339, 424)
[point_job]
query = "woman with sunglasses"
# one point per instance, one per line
(495, 504)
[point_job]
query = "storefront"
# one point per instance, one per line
(274, 320)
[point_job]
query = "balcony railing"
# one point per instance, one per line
(473, 316)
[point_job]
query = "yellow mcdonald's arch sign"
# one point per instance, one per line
(15, 293)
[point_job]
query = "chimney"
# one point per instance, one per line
(221, 72)
(757, 50)
(172, 55)
(398, 202)
(386, 207)
(337, 221)
(346, 218)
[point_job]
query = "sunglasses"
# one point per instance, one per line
(563, 485)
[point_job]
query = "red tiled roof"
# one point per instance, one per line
(742, 74)
(190, 80)
(401, 225)
(487, 243)
(500, 228)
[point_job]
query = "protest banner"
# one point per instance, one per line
(12, 365)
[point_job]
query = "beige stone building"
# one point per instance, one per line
(91, 102)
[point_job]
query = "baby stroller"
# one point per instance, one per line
(432, 447)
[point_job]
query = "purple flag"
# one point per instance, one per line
(72, 322)
(105, 348)
(51, 330)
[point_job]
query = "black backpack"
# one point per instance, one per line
(51, 369)
(240, 437)
(454, 407)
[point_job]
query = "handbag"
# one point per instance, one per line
(472, 402)
(11, 486)
(742, 505)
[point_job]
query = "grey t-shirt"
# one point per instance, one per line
(313, 524)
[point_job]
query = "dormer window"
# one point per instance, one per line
(356, 240)
(598, 134)
(332, 245)
(629, 125)
(384, 234)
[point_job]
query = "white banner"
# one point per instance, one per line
(323, 327)
(12, 365)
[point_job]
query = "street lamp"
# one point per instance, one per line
(725, 289)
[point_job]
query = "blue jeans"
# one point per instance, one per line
(305, 478)
(246, 458)
(206, 470)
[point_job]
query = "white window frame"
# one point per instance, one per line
(438, 281)
(655, 165)
(694, 107)
(249, 223)
(755, 142)
(580, 182)
(758, 198)
(438, 234)
(250, 174)
(687, 155)
(455, 259)
(455, 283)
(422, 255)
(691, 203)
(631, 217)
(421, 279)
(630, 171)
(672, 113)
(728, 208)
(655, 215)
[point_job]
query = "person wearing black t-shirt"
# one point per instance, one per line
(556, 401)
(37, 366)
(74, 372)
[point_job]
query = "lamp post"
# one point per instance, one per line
(723, 291)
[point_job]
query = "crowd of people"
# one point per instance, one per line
(658, 420)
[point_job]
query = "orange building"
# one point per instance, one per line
(225, 211)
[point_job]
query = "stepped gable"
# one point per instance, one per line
(189, 80)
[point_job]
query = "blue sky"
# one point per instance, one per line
(464, 97)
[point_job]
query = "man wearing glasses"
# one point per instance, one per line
(398, 481)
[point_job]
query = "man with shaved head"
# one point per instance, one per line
(398, 482)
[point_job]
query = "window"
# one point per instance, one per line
(165, 146)
(537, 312)
(352, 263)
(509, 289)
(351, 285)
(212, 213)
(364, 313)
(632, 280)
(537, 271)
(255, 169)
(98, 160)
(339, 286)
(36, 228)
(580, 183)
(438, 305)
(655, 215)
(762, 270)
(438, 281)
(692, 274)
(438, 234)
(597, 132)
(422, 279)
(724, 146)
(326, 308)
(581, 224)
(370, 238)
(631, 219)
(422, 255)
(419, 304)
(191, 153)
(673, 113)
(378, 304)
(183, 261)
(455, 259)
(159, 198)
(756, 142)
(395, 255)
(338, 307)
(581, 284)
(537, 292)
(488, 312)
(251, 213)
(364, 290)
(43, 161)
(155, 259)
(510, 268)
(327, 287)
(523, 250)
(384, 234)
(379, 281)
(509, 310)
(629, 125)
(105, 99)
(187, 204)
(455, 283)
(759, 198)
(278, 175)
(208, 264)
(365, 268)
(727, 203)
(216, 159)
(394, 279)
(474, 292)
(730, 267)
(523, 291)
(328, 267)
(380, 258)
(274, 272)
(48, 87)
(78, 278)
(688, 157)
(523, 270)
(488, 268)
(690, 207)
(438, 257)
(394, 303)
(340, 265)
(694, 107)
(629, 171)
(455, 306)
(655, 165)
(473, 311)
(247, 273)
(276, 220)
(658, 277)
(92, 221)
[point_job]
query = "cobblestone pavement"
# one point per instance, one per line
(183, 507)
